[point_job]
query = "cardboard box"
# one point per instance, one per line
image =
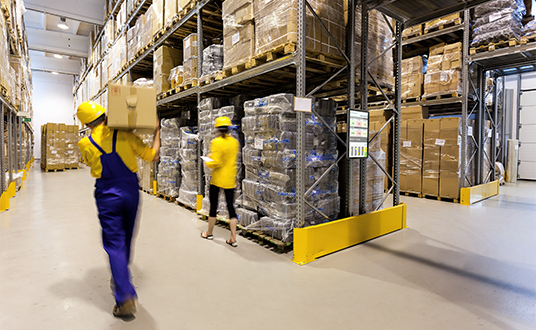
(414, 112)
(413, 65)
(437, 49)
(238, 45)
(190, 70)
(166, 58)
(158, 16)
(170, 10)
(190, 46)
(450, 131)
(442, 82)
(412, 85)
(132, 108)
(240, 11)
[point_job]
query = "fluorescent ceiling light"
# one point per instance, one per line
(62, 24)
(510, 70)
(526, 67)
(54, 72)
(58, 56)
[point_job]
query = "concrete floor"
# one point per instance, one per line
(455, 267)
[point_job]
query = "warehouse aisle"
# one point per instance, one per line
(455, 267)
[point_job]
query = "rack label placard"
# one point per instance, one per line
(357, 135)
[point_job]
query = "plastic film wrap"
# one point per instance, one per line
(189, 172)
(442, 82)
(212, 60)
(497, 21)
(442, 21)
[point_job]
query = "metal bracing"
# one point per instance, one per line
(464, 165)
(364, 102)
(350, 49)
(398, 102)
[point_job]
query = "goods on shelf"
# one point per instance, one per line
(431, 157)
(380, 38)
(132, 108)
(207, 132)
(412, 77)
(158, 16)
(442, 22)
(411, 155)
(189, 45)
(146, 169)
(443, 75)
(497, 21)
(276, 25)
(190, 70)
(59, 149)
(238, 32)
(449, 176)
(148, 27)
(269, 156)
(189, 170)
(169, 170)
(415, 30)
(414, 112)
(170, 11)
(530, 29)
(176, 76)
(378, 118)
(165, 58)
(212, 60)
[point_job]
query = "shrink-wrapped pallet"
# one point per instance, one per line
(496, 21)
(238, 32)
(169, 170)
(189, 170)
(212, 60)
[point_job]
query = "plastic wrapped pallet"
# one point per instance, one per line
(212, 59)
(411, 153)
(158, 16)
(412, 31)
(380, 38)
(146, 169)
(164, 59)
(276, 25)
(170, 11)
(238, 32)
(530, 29)
(443, 70)
(147, 27)
(189, 170)
(169, 171)
(176, 76)
(497, 21)
(71, 146)
(190, 70)
(412, 77)
(269, 156)
(190, 46)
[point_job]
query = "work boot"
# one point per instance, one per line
(126, 309)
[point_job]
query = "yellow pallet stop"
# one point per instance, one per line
(314, 242)
(4, 202)
(155, 187)
(478, 193)
(199, 204)
(12, 188)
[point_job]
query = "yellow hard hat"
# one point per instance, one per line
(89, 111)
(223, 121)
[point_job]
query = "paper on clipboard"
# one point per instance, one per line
(207, 159)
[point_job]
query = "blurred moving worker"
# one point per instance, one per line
(223, 151)
(111, 154)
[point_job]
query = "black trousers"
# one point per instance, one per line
(213, 197)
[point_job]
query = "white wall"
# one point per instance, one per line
(53, 102)
(528, 81)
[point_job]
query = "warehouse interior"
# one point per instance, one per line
(384, 176)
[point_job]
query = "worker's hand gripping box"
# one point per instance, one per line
(132, 108)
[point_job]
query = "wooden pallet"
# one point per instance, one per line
(188, 85)
(411, 99)
(166, 197)
(412, 194)
(413, 35)
(526, 40)
(209, 79)
(443, 96)
(495, 45)
(72, 168)
(188, 207)
(458, 21)
(146, 191)
(441, 199)
(54, 170)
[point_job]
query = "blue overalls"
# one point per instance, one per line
(117, 196)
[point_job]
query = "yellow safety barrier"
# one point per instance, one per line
(313, 242)
(4, 202)
(199, 204)
(12, 189)
(475, 194)
(24, 174)
(155, 187)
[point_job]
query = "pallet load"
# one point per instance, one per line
(212, 61)
(269, 155)
(157, 16)
(190, 59)
(529, 32)
(146, 169)
(147, 37)
(412, 78)
(450, 144)
(71, 147)
(411, 156)
(238, 32)
(443, 76)
(176, 76)
(380, 38)
(378, 118)
(442, 22)
(164, 60)
(375, 178)
(189, 171)
(413, 31)
(498, 21)
(431, 157)
(207, 132)
(276, 25)
(53, 146)
(169, 170)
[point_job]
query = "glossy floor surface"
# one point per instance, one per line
(455, 267)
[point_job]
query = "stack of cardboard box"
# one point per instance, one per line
(412, 77)
(443, 75)
(449, 186)
(238, 32)
(411, 153)
(71, 147)
(53, 146)
(165, 58)
(190, 58)
(431, 157)
(276, 25)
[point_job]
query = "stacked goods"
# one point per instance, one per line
(176, 76)
(380, 38)
(140, 32)
(212, 60)
(170, 11)
(276, 25)
(530, 30)
(378, 118)
(431, 157)
(169, 172)
(189, 170)
(207, 132)
(442, 21)
(415, 30)
(53, 146)
(158, 16)
(375, 177)
(147, 36)
(71, 147)
(497, 21)
(133, 40)
(443, 75)
(238, 32)
(190, 58)
(412, 77)
(449, 176)
(269, 156)
(146, 169)
(411, 136)
(165, 58)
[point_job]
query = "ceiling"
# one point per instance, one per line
(46, 39)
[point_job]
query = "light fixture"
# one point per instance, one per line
(54, 72)
(58, 56)
(63, 24)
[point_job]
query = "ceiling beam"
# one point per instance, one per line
(44, 21)
(58, 42)
(65, 65)
(84, 11)
(76, 27)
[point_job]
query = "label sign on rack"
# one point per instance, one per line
(357, 135)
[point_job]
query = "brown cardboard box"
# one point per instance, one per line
(162, 83)
(453, 48)
(434, 63)
(437, 49)
(414, 112)
(442, 82)
(432, 129)
(411, 156)
(450, 158)
(451, 61)
(238, 45)
(170, 10)
(431, 157)
(450, 131)
(412, 65)
(158, 16)
(449, 185)
(166, 58)
(240, 11)
(190, 46)
(412, 85)
(132, 108)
